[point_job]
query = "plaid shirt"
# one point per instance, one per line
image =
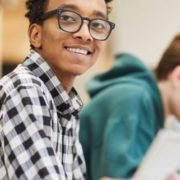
(38, 125)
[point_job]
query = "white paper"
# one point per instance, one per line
(162, 158)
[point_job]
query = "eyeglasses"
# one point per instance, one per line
(70, 21)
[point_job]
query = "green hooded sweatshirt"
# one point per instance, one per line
(124, 114)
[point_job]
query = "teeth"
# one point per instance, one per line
(79, 51)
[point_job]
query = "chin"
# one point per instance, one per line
(78, 73)
(78, 70)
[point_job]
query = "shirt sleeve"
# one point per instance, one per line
(26, 136)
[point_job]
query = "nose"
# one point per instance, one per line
(84, 33)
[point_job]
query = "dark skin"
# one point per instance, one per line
(62, 50)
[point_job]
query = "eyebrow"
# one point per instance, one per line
(74, 7)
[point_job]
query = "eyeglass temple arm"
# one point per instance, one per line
(49, 14)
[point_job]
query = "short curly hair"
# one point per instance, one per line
(36, 8)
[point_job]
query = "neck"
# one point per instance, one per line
(66, 81)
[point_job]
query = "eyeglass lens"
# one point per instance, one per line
(71, 22)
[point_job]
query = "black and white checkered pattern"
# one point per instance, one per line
(38, 125)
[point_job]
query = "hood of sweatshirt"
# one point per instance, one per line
(126, 68)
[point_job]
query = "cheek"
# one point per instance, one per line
(50, 34)
(100, 45)
(176, 105)
(48, 39)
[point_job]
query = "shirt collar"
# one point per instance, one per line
(65, 103)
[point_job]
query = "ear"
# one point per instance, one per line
(175, 77)
(35, 35)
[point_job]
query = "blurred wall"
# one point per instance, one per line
(15, 37)
(1, 14)
(145, 27)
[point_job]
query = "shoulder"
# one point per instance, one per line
(19, 79)
(122, 91)
(123, 97)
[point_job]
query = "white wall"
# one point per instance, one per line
(145, 27)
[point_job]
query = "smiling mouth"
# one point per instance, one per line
(79, 51)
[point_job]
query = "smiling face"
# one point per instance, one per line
(68, 54)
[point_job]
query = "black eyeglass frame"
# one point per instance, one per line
(58, 12)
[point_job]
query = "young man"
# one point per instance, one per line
(127, 109)
(38, 104)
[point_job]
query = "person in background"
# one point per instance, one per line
(127, 108)
(38, 104)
